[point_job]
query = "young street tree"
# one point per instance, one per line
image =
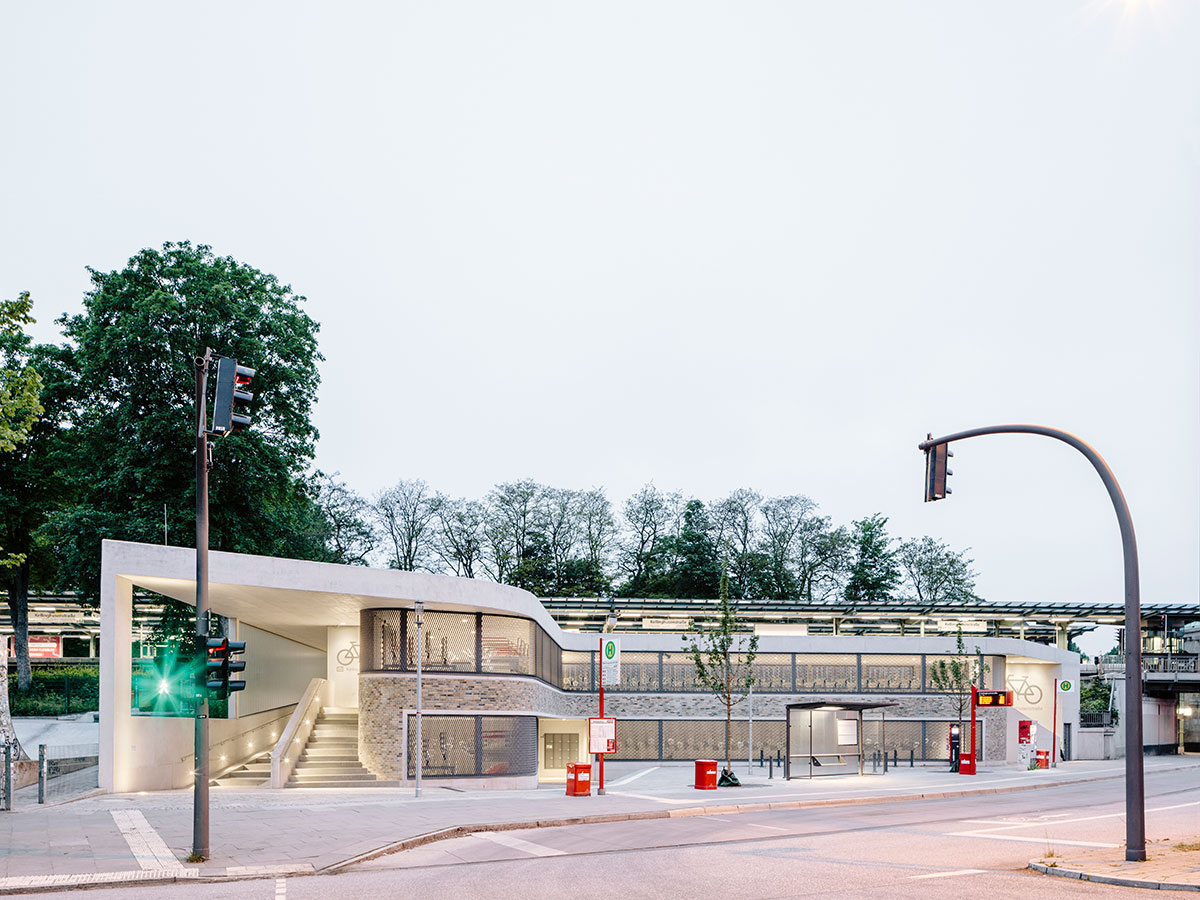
(954, 675)
(724, 659)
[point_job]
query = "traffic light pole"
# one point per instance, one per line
(1135, 787)
(200, 801)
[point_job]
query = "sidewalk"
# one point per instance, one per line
(1169, 866)
(257, 832)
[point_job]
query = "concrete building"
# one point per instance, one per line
(507, 692)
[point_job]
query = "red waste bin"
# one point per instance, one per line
(1043, 759)
(579, 779)
(706, 774)
(966, 764)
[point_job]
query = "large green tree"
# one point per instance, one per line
(134, 348)
(873, 573)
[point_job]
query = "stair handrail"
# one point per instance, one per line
(295, 734)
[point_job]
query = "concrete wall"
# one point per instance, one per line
(277, 670)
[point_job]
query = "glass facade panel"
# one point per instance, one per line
(474, 745)
(448, 639)
(577, 671)
(507, 645)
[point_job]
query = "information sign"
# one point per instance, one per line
(610, 661)
(602, 735)
(993, 698)
(1066, 685)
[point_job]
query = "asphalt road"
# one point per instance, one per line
(922, 849)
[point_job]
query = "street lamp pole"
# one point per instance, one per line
(419, 607)
(1135, 786)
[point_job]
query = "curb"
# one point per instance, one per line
(458, 831)
(1110, 879)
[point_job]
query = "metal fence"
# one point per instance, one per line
(1097, 719)
(65, 770)
(56, 694)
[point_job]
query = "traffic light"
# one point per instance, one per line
(232, 404)
(936, 472)
(220, 664)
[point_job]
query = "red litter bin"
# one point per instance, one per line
(1043, 759)
(706, 774)
(966, 764)
(579, 779)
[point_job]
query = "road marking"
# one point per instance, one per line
(635, 776)
(772, 827)
(150, 851)
(949, 874)
(517, 843)
(1045, 841)
(280, 889)
(998, 825)
(648, 797)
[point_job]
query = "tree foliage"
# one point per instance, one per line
(133, 351)
(873, 572)
(935, 574)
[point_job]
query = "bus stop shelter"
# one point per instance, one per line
(825, 737)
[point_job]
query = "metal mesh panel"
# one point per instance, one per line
(71, 769)
(636, 739)
(448, 745)
(937, 739)
(448, 641)
(577, 671)
(827, 672)
(945, 663)
(379, 638)
(639, 672)
(454, 746)
(902, 738)
(509, 745)
(772, 675)
(679, 672)
(694, 740)
(507, 645)
(891, 673)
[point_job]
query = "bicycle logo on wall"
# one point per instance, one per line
(348, 656)
(1024, 691)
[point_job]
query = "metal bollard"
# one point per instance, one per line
(770, 767)
(885, 762)
(895, 758)
(760, 757)
(41, 773)
(910, 758)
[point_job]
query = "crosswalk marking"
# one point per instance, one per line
(948, 874)
(150, 851)
(516, 843)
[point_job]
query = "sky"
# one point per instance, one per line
(707, 245)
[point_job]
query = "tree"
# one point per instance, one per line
(873, 574)
(695, 566)
(30, 471)
(459, 535)
(349, 536)
(648, 517)
(405, 514)
(935, 574)
(20, 384)
(134, 347)
(599, 536)
(724, 661)
(512, 525)
(735, 523)
(955, 675)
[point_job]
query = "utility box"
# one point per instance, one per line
(579, 779)
(706, 774)
(1043, 759)
(966, 764)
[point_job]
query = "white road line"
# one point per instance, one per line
(280, 889)
(1045, 841)
(648, 797)
(150, 851)
(517, 843)
(948, 874)
(635, 776)
(771, 827)
(1000, 825)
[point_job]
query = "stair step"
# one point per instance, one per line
(338, 773)
(328, 762)
(344, 784)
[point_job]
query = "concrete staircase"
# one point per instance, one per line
(330, 759)
(253, 773)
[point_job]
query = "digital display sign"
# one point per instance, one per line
(993, 698)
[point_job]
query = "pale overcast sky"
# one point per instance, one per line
(712, 245)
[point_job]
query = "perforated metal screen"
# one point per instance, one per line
(475, 746)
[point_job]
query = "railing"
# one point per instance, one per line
(295, 734)
(1154, 662)
(1099, 719)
